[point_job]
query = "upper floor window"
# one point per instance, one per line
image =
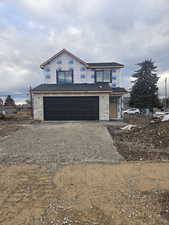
(103, 76)
(71, 61)
(64, 77)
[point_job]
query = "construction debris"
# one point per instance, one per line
(155, 134)
(165, 118)
(150, 142)
(128, 127)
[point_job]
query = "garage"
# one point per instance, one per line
(71, 101)
(71, 108)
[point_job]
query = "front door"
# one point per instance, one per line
(113, 107)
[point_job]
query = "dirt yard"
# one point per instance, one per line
(103, 194)
(7, 128)
(147, 141)
(127, 193)
(11, 125)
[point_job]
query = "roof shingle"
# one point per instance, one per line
(78, 87)
(110, 64)
(73, 87)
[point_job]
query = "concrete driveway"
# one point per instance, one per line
(59, 143)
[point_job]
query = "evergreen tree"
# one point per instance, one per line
(9, 101)
(144, 94)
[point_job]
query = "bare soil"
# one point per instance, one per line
(146, 142)
(133, 193)
(140, 120)
(12, 124)
(7, 128)
(103, 194)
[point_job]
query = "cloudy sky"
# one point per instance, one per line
(95, 30)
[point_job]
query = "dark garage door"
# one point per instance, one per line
(71, 108)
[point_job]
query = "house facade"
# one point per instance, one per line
(77, 90)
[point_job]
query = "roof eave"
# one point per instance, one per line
(71, 92)
(119, 93)
(103, 67)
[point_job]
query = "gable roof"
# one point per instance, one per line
(88, 65)
(59, 53)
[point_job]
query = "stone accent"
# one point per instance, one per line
(104, 107)
(38, 105)
(119, 107)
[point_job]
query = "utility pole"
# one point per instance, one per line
(166, 94)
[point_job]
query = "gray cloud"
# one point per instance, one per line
(109, 30)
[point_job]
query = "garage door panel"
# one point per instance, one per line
(71, 108)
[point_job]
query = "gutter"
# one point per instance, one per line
(71, 92)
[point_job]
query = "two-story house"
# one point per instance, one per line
(77, 90)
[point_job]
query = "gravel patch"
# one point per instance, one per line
(59, 144)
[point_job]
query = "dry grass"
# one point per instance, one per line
(22, 115)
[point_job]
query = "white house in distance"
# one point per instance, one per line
(77, 90)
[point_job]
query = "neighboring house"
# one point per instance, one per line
(76, 90)
(8, 107)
